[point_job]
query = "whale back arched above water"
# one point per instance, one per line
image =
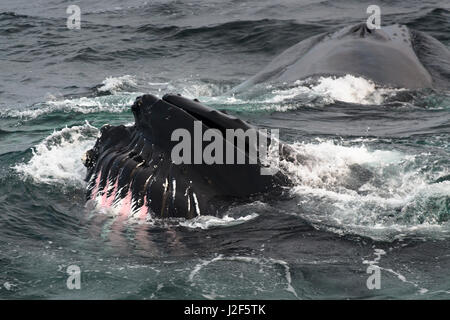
(394, 56)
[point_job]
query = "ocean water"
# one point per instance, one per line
(58, 86)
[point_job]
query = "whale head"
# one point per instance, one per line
(133, 166)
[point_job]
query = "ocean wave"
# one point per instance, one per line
(427, 20)
(57, 159)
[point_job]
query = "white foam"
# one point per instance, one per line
(57, 159)
(263, 262)
(346, 88)
(206, 222)
(326, 162)
(116, 84)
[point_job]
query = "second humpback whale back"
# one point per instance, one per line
(391, 56)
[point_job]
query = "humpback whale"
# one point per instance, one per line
(131, 166)
(393, 56)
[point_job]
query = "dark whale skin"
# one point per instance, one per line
(131, 166)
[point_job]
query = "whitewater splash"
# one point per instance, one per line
(117, 94)
(252, 267)
(57, 159)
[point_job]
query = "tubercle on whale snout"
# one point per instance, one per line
(130, 167)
